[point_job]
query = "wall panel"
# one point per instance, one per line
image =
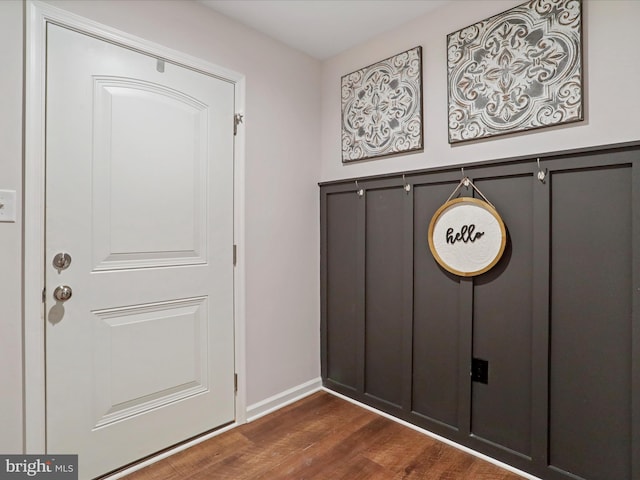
(384, 294)
(502, 322)
(435, 320)
(342, 283)
(590, 372)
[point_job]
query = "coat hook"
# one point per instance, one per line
(407, 187)
(541, 173)
(359, 191)
(465, 180)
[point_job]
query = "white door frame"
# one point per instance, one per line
(38, 14)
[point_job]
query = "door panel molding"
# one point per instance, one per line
(38, 15)
(155, 380)
(125, 103)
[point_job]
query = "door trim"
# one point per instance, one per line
(37, 16)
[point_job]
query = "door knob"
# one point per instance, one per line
(62, 293)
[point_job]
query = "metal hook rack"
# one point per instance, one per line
(466, 181)
(542, 174)
(406, 186)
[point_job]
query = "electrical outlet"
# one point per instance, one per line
(7, 206)
(479, 370)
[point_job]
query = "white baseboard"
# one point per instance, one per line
(435, 436)
(276, 402)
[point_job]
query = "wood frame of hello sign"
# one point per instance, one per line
(467, 236)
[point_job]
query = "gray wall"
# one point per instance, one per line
(555, 318)
(610, 68)
(10, 233)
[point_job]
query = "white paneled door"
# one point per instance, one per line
(139, 242)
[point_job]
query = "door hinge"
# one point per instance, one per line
(235, 382)
(238, 118)
(44, 294)
(235, 255)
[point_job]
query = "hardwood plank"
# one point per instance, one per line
(315, 458)
(322, 437)
(347, 451)
(209, 453)
(359, 468)
(162, 470)
(401, 444)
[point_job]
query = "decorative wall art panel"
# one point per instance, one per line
(382, 108)
(519, 70)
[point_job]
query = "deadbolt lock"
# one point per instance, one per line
(61, 261)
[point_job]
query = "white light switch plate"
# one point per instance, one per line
(7, 206)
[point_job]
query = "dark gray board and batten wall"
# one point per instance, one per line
(557, 319)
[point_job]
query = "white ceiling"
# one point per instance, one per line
(323, 28)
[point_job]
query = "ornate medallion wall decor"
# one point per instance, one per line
(382, 108)
(519, 70)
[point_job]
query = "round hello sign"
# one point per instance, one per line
(467, 236)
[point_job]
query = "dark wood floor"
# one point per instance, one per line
(322, 437)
